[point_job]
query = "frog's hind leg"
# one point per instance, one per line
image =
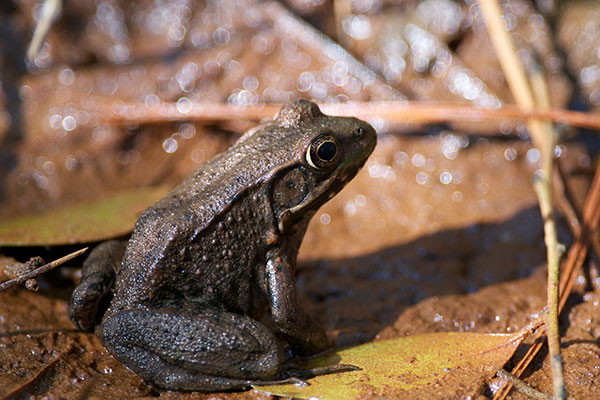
(91, 297)
(190, 347)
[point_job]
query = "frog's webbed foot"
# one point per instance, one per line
(292, 374)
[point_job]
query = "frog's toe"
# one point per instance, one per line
(89, 301)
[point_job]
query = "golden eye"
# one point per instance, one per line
(322, 152)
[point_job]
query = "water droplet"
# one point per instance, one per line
(108, 86)
(55, 121)
(450, 146)
(360, 200)
(457, 197)
(589, 75)
(221, 36)
(421, 178)
(69, 123)
(510, 154)
(187, 131)
(365, 6)
(305, 82)
(262, 44)
(184, 105)
(48, 167)
(418, 160)
(70, 162)
(170, 145)
(533, 155)
(198, 156)
(289, 45)
(445, 177)
(400, 158)
(40, 179)
(66, 76)
(584, 160)
(187, 75)
(250, 83)
(440, 16)
(357, 26)
(176, 34)
(199, 38)
(349, 208)
(325, 219)
(483, 189)
(319, 91)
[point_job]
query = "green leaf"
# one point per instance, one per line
(434, 365)
(91, 221)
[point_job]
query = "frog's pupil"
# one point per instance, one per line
(327, 151)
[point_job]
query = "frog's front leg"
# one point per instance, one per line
(91, 297)
(186, 346)
(301, 331)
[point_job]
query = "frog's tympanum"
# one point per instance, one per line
(207, 260)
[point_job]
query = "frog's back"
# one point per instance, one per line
(218, 215)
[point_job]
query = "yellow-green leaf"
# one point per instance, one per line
(427, 366)
(91, 221)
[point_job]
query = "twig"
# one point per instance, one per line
(38, 271)
(395, 112)
(573, 214)
(578, 252)
(522, 386)
(566, 199)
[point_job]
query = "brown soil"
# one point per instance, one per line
(439, 232)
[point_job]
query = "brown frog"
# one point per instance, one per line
(206, 261)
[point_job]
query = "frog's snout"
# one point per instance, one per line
(365, 139)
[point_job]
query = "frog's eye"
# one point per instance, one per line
(322, 152)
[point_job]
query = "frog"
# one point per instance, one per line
(181, 303)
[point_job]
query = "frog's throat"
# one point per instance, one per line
(316, 199)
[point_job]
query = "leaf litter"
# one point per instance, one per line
(403, 162)
(89, 221)
(428, 365)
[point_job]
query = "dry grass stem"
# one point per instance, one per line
(50, 11)
(38, 271)
(507, 56)
(544, 138)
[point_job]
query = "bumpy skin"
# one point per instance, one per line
(204, 262)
